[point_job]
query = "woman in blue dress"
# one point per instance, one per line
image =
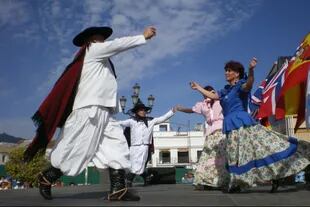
(255, 154)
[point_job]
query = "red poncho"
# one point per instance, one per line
(56, 107)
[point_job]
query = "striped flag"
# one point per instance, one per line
(292, 95)
(308, 102)
(257, 97)
(283, 92)
(270, 89)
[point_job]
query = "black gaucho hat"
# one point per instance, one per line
(82, 37)
(139, 105)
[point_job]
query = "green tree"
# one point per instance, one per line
(25, 172)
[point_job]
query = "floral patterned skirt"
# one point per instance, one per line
(256, 154)
(210, 169)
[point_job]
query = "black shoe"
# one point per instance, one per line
(123, 195)
(45, 187)
(275, 186)
(129, 184)
(234, 189)
(208, 187)
(199, 187)
(148, 179)
(129, 179)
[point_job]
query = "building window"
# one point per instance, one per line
(198, 154)
(164, 157)
(3, 158)
(163, 128)
(183, 157)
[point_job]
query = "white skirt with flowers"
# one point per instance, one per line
(256, 154)
(210, 169)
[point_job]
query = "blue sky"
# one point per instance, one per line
(194, 40)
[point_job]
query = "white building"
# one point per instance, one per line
(174, 148)
(5, 149)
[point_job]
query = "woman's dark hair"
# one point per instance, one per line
(209, 88)
(235, 66)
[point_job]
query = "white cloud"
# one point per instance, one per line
(120, 20)
(181, 24)
(13, 13)
(96, 12)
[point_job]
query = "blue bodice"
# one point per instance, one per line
(234, 102)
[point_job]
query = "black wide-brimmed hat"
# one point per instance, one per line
(81, 38)
(139, 105)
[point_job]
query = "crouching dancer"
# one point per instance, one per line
(82, 103)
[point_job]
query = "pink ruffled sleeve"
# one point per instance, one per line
(198, 108)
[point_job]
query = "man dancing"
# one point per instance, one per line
(82, 103)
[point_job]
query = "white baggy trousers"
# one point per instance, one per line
(90, 134)
(138, 157)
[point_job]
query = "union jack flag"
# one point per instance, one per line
(263, 101)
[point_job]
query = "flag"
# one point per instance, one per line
(268, 92)
(308, 102)
(291, 99)
(255, 103)
(257, 97)
(262, 103)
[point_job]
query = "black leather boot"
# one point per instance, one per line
(234, 189)
(199, 187)
(231, 189)
(118, 191)
(147, 178)
(129, 179)
(274, 186)
(46, 179)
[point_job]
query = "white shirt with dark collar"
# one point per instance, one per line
(97, 84)
(141, 134)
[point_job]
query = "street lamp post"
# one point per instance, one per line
(135, 97)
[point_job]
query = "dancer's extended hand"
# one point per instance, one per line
(194, 85)
(149, 32)
(253, 63)
(176, 108)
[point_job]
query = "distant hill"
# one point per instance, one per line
(9, 139)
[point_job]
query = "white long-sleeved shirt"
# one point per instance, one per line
(140, 134)
(97, 84)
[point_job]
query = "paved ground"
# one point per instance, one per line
(160, 195)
